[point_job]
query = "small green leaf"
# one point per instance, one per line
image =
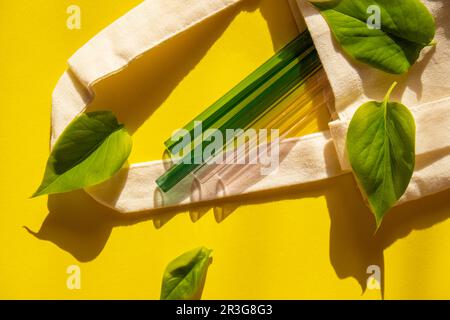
(406, 27)
(90, 150)
(381, 150)
(184, 276)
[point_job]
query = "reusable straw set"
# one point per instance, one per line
(281, 94)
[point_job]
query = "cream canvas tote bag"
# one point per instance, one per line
(319, 156)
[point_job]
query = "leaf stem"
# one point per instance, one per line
(388, 94)
(432, 43)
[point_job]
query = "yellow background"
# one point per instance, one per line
(314, 241)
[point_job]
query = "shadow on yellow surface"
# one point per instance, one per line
(81, 226)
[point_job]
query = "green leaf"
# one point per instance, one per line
(184, 276)
(92, 148)
(406, 27)
(381, 150)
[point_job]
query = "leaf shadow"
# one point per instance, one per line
(81, 226)
(77, 224)
(354, 244)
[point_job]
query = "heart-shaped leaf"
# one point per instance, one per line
(184, 276)
(381, 150)
(90, 150)
(405, 28)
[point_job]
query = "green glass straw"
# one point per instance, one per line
(288, 115)
(241, 114)
(256, 79)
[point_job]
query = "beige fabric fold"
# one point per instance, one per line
(302, 160)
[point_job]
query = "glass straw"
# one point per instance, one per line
(291, 114)
(255, 80)
(247, 112)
